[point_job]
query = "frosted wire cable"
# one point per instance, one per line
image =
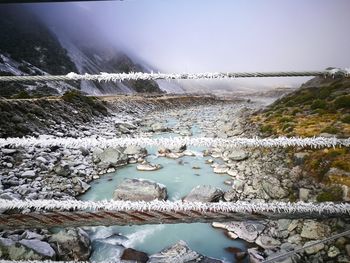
(234, 207)
(91, 142)
(103, 76)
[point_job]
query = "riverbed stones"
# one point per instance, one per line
(139, 190)
(180, 252)
(314, 230)
(72, 244)
(267, 242)
(272, 188)
(204, 193)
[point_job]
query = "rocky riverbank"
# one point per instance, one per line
(263, 174)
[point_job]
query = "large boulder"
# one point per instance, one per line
(140, 189)
(204, 193)
(72, 244)
(110, 157)
(180, 252)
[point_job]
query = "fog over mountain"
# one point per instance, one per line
(201, 36)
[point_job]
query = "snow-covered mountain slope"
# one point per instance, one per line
(30, 46)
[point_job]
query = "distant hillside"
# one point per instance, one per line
(29, 47)
(320, 107)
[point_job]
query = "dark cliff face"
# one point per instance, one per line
(29, 47)
(25, 38)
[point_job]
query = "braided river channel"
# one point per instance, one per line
(179, 177)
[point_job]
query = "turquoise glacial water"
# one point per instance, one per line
(179, 177)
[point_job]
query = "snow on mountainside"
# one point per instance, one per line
(30, 47)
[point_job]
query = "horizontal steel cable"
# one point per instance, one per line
(91, 142)
(73, 213)
(164, 76)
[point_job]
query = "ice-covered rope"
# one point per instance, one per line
(91, 142)
(103, 76)
(176, 206)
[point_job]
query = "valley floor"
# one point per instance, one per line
(250, 174)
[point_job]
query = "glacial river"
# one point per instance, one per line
(179, 177)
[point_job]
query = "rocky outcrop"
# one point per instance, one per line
(140, 190)
(204, 193)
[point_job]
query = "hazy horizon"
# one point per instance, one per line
(212, 36)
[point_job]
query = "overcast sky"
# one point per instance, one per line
(220, 35)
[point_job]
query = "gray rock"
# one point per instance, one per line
(31, 235)
(180, 252)
(25, 249)
(41, 248)
(158, 127)
(135, 149)
(247, 231)
(314, 230)
(204, 193)
(254, 255)
(304, 194)
(102, 250)
(62, 170)
(237, 155)
(139, 189)
(72, 244)
(347, 249)
(8, 151)
(333, 252)
(272, 188)
(299, 157)
(148, 167)
(220, 169)
(110, 157)
(231, 196)
(314, 249)
(29, 174)
(267, 242)
(41, 159)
